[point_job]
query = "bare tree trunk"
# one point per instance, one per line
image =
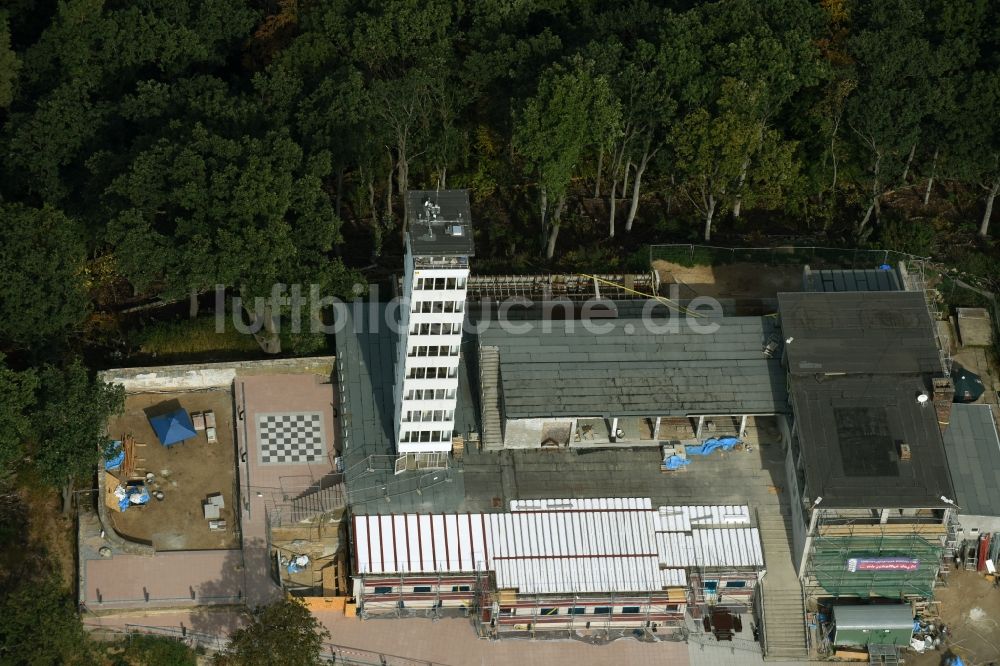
(738, 203)
(267, 336)
(709, 214)
(193, 303)
(985, 226)
(876, 169)
(388, 192)
(930, 181)
(868, 215)
(634, 208)
(67, 497)
(340, 189)
(600, 168)
(628, 168)
(550, 248)
(611, 208)
(403, 178)
(833, 156)
(444, 178)
(544, 205)
(909, 160)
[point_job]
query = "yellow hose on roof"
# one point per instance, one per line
(665, 301)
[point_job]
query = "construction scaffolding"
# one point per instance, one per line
(901, 566)
(529, 615)
(617, 287)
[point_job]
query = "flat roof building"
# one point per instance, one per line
(973, 450)
(870, 399)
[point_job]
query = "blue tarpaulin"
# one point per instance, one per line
(675, 462)
(709, 445)
(115, 459)
(136, 494)
(173, 427)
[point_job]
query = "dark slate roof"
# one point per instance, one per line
(435, 235)
(858, 332)
(851, 280)
(973, 450)
(850, 428)
(366, 378)
(631, 371)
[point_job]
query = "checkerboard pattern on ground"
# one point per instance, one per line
(290, 437)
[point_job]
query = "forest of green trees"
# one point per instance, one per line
(152, 149)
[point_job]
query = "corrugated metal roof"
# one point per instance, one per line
(727, 548)
(598, 504)
(419, 544)
(869, 279)
(673, 577)
(672, 519)
(874, 616)
(603, 545)
(676, 549)
(683, 518)
(561, 546)
(575, 550)
(707, 536)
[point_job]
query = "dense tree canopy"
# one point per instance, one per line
(284, 633)
(154, 149)
(199, 143)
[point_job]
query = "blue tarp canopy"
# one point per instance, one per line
(114, 459)
(173, 427)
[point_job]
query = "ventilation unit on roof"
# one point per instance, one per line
(455, 230)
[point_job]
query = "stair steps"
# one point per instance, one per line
(316, 503)
(784, 614)
(489, 371)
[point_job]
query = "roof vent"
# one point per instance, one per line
(923, 398)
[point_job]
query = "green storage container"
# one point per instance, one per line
(879, 624)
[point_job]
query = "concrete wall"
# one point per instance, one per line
(982, 523)
(199, 376)
(799, 526)
(527, 433)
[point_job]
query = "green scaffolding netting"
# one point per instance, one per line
(831, 555)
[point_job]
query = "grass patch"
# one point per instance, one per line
(196, 340)
(189, 338)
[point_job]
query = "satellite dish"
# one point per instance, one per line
(922, 398)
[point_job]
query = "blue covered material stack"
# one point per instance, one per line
(709, 445)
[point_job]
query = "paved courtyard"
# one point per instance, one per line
(735, 477)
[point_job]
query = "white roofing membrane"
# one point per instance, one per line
(598, 504)
(561, 546)
(683, 518)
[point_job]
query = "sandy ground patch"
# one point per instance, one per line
(186, 473)
(739, 280)
(970, 608)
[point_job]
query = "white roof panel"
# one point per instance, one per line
(675, 549)
(673, 577)
(597, 545)
(728, 548)
(596, 504)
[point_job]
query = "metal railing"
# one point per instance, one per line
(687, 254)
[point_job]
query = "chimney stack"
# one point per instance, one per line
(944, 395)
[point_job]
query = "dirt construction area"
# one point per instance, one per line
(187, 473)
(970, 609)
(739, 280)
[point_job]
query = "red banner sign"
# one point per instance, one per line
(882, 564)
